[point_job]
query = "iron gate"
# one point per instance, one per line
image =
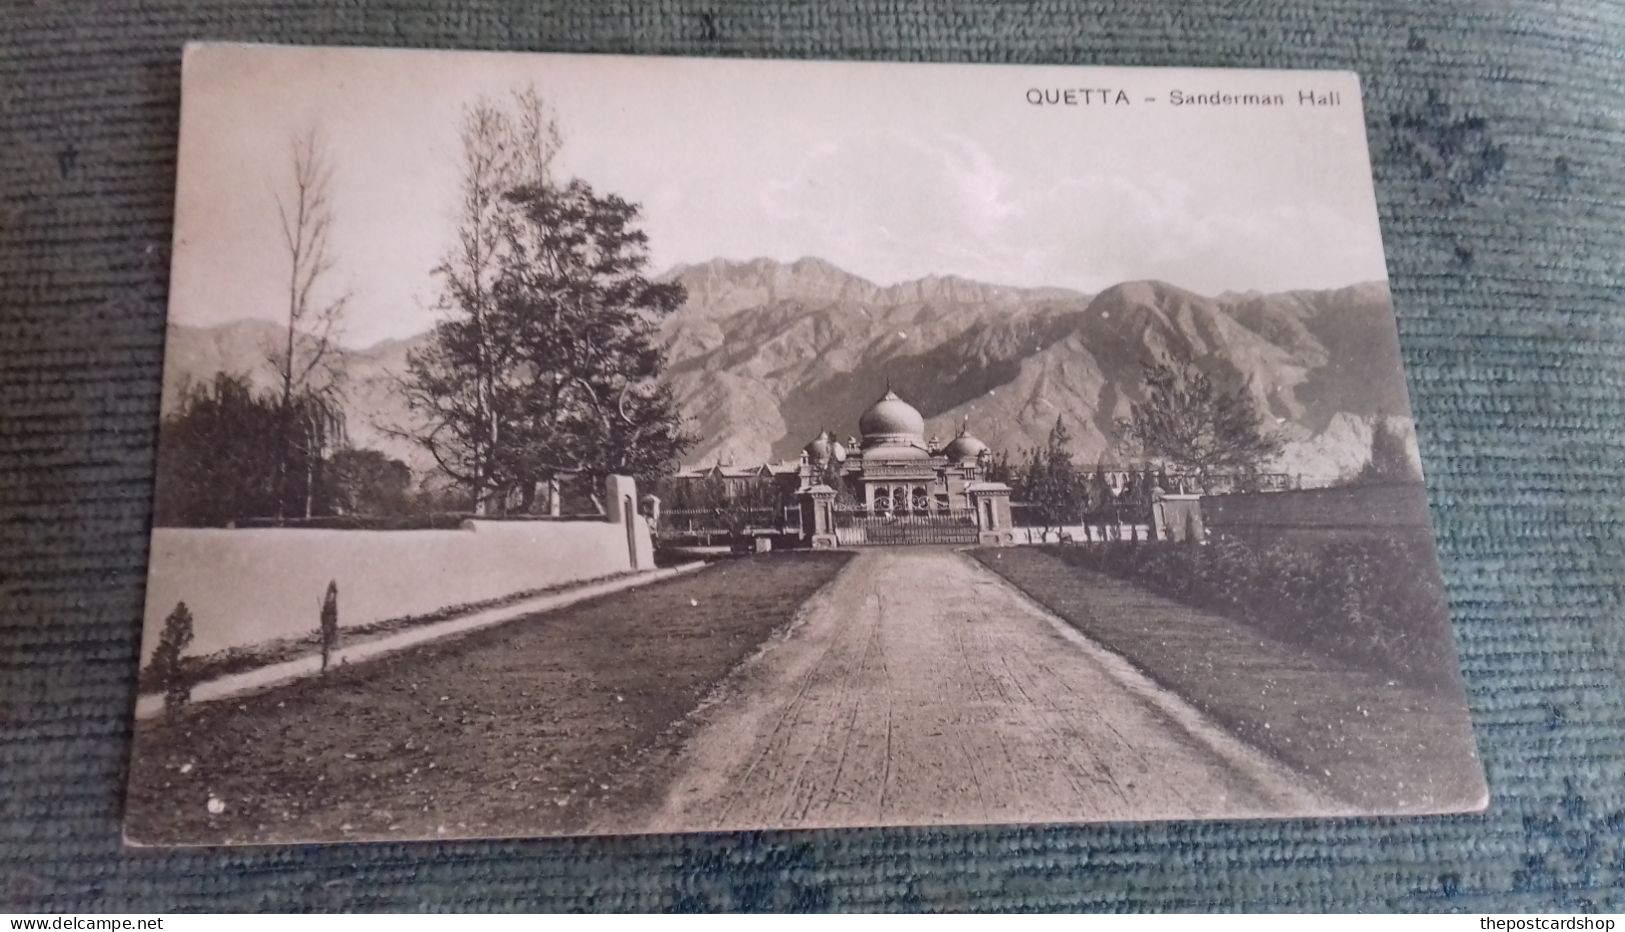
(856, 527)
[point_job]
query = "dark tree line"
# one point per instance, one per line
(1059, 492)
(222, 461)
(1186, 421)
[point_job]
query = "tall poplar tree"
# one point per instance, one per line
(307, 365)
(458, 385)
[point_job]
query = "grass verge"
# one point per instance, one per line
(1374, 603)
(545, 725)
(1382, 744)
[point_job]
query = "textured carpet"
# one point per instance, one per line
(1498, 135)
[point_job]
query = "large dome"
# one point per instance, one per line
(891, 420)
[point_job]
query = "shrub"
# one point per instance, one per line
(329, 632)
(1373, 603)
(167, 667)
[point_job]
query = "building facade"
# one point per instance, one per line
(891, 468)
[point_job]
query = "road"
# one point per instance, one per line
(917, 687)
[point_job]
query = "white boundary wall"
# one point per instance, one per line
(249, 586)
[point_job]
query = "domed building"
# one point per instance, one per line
(893, 468)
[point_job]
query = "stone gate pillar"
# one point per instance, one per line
(818, 517)
(1178, 517)
(991, 502)
(621, 507)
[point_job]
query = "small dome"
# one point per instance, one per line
(964, 447)
(891, 419)
(825, 448)
(820, 449)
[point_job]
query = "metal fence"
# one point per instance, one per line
(703, 524)
(1028, 515)
(1117, 522)
(857, 527)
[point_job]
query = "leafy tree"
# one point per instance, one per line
(1390, 457)
(218, 456)
(1186, 419)
(367, 482)
(585, 319)
(833, 475)
(1051, 483)
(312, 426)
(999, 469)
(1100, 498)
(221, 460)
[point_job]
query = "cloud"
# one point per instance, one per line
(896, 205)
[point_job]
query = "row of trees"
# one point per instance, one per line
(232, 452)
(226, 459)
(543, 371)
(1188, 423)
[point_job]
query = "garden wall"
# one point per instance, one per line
(250, 586)
(1348, 511)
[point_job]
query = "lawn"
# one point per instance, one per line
(1372, 602)
(544, 725)
(1377, 741)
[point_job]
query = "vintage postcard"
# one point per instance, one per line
(562, 444)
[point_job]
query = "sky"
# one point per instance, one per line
(890, 171)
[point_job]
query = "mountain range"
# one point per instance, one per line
(765, 354)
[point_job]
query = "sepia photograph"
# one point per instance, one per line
(585, 445)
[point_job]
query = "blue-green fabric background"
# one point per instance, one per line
(1498, 139)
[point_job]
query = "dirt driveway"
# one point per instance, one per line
(920, 688)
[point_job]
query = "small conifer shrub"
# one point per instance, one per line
(330, 622)
(167, 664)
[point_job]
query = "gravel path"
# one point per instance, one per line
(918, 687)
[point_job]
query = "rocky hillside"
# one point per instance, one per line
(765, 354)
